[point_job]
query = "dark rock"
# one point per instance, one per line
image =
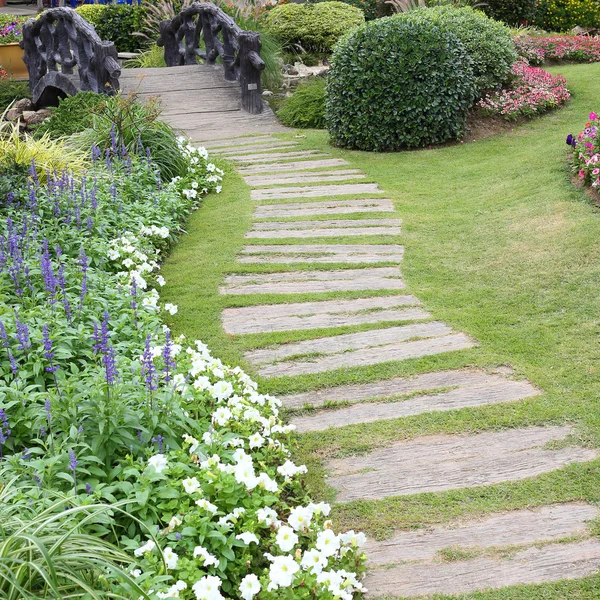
(22, 105)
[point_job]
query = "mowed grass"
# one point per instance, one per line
(498, 244)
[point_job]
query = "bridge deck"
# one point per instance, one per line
(197, 99)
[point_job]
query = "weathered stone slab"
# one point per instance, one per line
(276, 156)
(312, 315)
(348, 341)
(301, 282)
(254, 140)
(534, 565)
(328, 223)
(303, 177)
(277, 146)
(517, 527)
(443, 462)
(323, 253)
(370, 356)
(333, 207)
(484, 395)
(315, 191)
(294, 166)
(322, 232)
(397, 386)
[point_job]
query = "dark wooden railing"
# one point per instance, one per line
(239, 50)
(56, 44)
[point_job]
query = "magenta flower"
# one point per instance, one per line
(593, 116)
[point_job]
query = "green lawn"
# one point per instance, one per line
(498, 244)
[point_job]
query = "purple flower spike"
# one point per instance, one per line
(148, 368)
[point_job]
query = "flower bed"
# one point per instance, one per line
(99, 404)
(540, 50)
(11, 29)
(586, 153)
(533, 91)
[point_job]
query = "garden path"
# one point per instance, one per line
(306, 206)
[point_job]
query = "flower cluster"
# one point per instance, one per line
(540, 50)
(533, 91)
(586, 152)
(12, 31)
(202, 176)
(3, 73)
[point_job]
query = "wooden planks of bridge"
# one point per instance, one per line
(197, 99)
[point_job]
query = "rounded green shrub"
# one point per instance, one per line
(512, 12)
(398, 84)
(305, 109)
(312, 27)
(488, 42)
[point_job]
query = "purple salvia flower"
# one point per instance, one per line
(3, 335)
(159, 441)
(13, 363)
(148, 368)
(88, 488)
(96, 152)
(110, 367)
(48, 352)
(63, 288)
(84, 264)
(22, 334)
(37, 479)
(168, 361)
(4, 430)
(73, 462)
(48, 408)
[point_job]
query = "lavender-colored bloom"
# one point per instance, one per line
(13, 363)
(26, 454)
(48, 352)
(33, 173)
(47, 272)
(88, 488)
(37, 479)
(3, 335)
(96, 152)
(73, 462)
(48, 408)
(159, 441)
(22, 334)
(110, 367)
(63, 288)
(4, 430)
(84, 264)
(80, 430)
(43, 432)
(169, 362)
(139, 435)
(148, 368)
(178, 536)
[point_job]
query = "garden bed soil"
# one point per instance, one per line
(592, 193)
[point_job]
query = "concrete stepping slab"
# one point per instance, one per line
(268, 225)
(370, 356)
(323, 253)
(293, 166)
(277, 146)
(303, 282)
(534, 565)
(517, 527)
(308, 177)
(388, 388)
(322, 232)
(349, 341)
(334, 207)
(438, 463)
(315, 191)
(313, 315)
(216, 145)
(495, 392)
(276, 156)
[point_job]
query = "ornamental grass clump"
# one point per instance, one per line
(397, 84)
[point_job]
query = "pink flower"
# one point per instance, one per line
(581, 174)
(593, 116)
(595, 171)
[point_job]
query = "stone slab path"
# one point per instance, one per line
(301, 197)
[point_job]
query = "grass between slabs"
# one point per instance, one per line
(499, 245)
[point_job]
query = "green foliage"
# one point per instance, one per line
(488, 42)
(116, 23)
(134, 123)
(73, 114)
(11, 90)
(306, 108)
(563, 15)
(398, 84)
(370, 8)
(152, 58)
(312, 27)
(512, 12)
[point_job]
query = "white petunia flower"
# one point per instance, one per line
(350, 538)
(160, 280)
(206, 505)
(327, 542)
(256, 440)
(247, 537)
(208, 588)
(313, 560)
(282, 571)
(286, 538)
(171, 308)
(170, 558)
(159, 462)
(221, 415)
(221, 390)
(300, 518)
(207, 558)
(249, 587)
(147, 547)
(191, 485)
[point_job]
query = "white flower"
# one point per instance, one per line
(206, 505)
(208, 558)
(286, 538)
(173, 591)
(256, 440)
(282, 571)
(159, 462)
(135, 572)
(174, 522)
(201, 383)
(192, 441)
(147, 547)
(218, 189)
(170, 558)
(207, 588)
(265, 482)
(313, 560)
(171, 308)
(289, 469)
(247, 537)
(221, 416)
(350, 538)
(327, 542)
(267, 516)
(160, 280)
(300, 518)
(191, 485)
(320, 508)
(249, 587)
(221, 390)
(244, 473)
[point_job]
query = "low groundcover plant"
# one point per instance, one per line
(100, 404)
(586, 152)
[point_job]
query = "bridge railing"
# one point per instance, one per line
(60, 42)
(238, 50)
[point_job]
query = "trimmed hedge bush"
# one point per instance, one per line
(487, 41)
(563, 15)
(305, 109)
(512, 12)
(312, 27)
(398, 84)
(116, 23)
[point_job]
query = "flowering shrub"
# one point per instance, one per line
(533, 91)
(563, 15)
(11, 29)
(539, 50)
(98, 402)
(586, 152)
